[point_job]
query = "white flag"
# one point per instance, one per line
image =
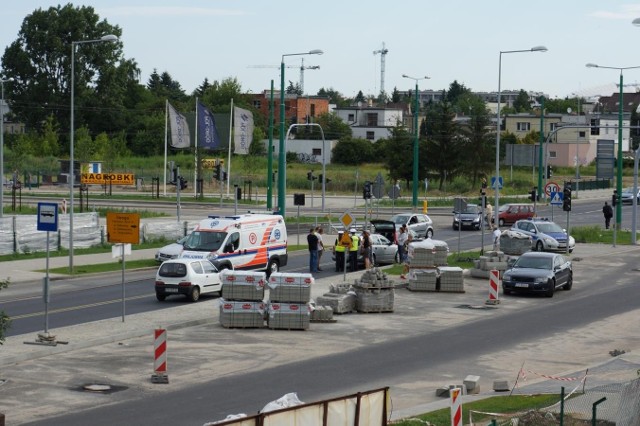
(180, 136)
(242, 130)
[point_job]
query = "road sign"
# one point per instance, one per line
(378, 190)
(123, 228)
(347, 220)
(499, 180)
(394, 192)
(47, 217)
(556, 198)
(551, 187)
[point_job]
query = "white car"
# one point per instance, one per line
(188, 277)
(170, 251)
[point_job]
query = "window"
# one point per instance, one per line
(257, 104)
(553, 126)
(582, 134)
(372, 119)
(553, 154)
(316, 151)
(371, 136)
(594, 129)
(351, 117)
(523, 126)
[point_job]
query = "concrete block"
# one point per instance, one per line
(471, 382)
(442, 392)
(501, 386)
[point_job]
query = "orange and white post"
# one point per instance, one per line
(455, 395)
(160, 357)
(494, 278)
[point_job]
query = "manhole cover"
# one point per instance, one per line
(97, 388)
(100, 388)
(476, 307)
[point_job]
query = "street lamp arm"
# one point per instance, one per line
(311, 52)
(533, 49)
(109, 37)
(591, 65)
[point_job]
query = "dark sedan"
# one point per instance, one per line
(539, 272)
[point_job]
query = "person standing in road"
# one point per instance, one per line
(402, 239)
(339, 249)
(319, 233)
(496, 238)
(353, 250)
(488, 214)
(367, 250)
(607, 211)
(312, 241)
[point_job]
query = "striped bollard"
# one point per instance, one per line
(160, 357)
(456, 406)
(494, 277)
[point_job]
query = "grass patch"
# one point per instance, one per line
(103, 248)
(116, 265)
(596, 234)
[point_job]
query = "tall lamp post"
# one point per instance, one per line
(497, 177)
(2, 146)
(282, 175)
(107, 38)
(416, 139)
(619, 162)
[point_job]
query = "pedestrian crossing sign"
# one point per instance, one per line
(557, 198)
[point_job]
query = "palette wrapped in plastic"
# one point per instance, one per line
(243, 285)
(288, 316)
(241, 314)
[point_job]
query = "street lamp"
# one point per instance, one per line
(619, 162)
(2, 146)
(415, 140)
(497, 177)
(282, 192)
(107, 38)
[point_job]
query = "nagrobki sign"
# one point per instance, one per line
(104, 178)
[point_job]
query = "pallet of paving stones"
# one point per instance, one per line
(290, 288)
(242, 314)
(423, 280)
(428, 253)
(339, 303)
(374, 278)
(451, 279)
(288, 316)
(322, 314)
(374, 300)
(514, 242)
(243, 285)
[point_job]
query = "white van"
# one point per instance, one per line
(248, 241)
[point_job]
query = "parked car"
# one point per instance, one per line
(627, 196)
(390, 230)
(538, 272)
(545, 235)
(170, 251)
(421, 224)
(511, 213)
(385, 251)
(188, 277)
(470, 217)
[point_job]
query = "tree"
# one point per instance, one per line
(360, 97)
(456, 90)
(353, 151)
(522, 102)
(293, 89)
(332, 126)
(49, 144)
(334, 96)
(218, 96)
(478, 142)
(444, 145)
(39, 61)
(396, 96)
(201, 89)
(84, 147)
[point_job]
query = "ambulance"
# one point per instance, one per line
(245, 242)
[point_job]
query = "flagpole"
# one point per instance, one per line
(229, 155)
(166, 129)
(195, 169)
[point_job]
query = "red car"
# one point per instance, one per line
(511, 213)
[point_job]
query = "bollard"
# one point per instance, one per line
(494, 276)
(456, 406)
(160, 357)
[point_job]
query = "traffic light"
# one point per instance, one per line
(566, 200)
(183, 183)
(614, 198)
(366, 190)
(532, 195)
(217, 171)
(326, 179)
(549, 171)
(310, 175)
(174, 176)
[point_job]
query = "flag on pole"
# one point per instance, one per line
(207, 131)
(242, 130)
(180, 136)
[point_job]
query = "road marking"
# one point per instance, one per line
(76, 308)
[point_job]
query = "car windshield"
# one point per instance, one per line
(399, 219)
(549, 227)
(534, 262)
(471, 209)
(205, 240)
(504, 208)
(173, 269)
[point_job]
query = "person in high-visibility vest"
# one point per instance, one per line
(339, 249)
(353, 250)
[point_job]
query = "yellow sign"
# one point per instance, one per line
(209, 163)
(346, 219)
(123, 228)
(345, 241)
(102, 178)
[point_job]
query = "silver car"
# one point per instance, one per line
(421, 224)
(170, 251)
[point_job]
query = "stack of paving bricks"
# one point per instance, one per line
(289, 296)
(422, 254)
(427, 255)
(321, 313)
(341, 298)
(490, 260)
(514, 242)
(374, 292)
(423, 280)
(451, 279)
(242, 304)
(441, 252)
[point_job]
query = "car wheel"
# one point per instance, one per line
(375, 260)
(500, 222)
(539, 246)
(272, 267)
(194, 296)
(455, 228)
(569, 283)
(506, 291)
(551, 288)
(160, 297)
(429, 233)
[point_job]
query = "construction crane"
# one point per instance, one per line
(383, 53)
(302, 67)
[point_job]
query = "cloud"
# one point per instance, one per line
(629, 11)
(152, 11)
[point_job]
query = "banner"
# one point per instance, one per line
(242, 130)
(180, 136)
(207, 131)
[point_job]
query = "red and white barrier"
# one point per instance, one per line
(160, 357)
(494, 277)
(456, 406)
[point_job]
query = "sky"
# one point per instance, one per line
(444, 40)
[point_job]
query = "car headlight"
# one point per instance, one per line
(477, 219)
(550, 240)
(539, 280)
(212, 256)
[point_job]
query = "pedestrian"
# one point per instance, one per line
(319, 233)
(496, 239)
(402, 239)
(607, 211)
(405, 267)
(339, 250)
(488, 214)
(312, 242)
(367, 250)
(353, 250)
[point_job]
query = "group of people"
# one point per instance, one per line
(347, 246)
(316, 248)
